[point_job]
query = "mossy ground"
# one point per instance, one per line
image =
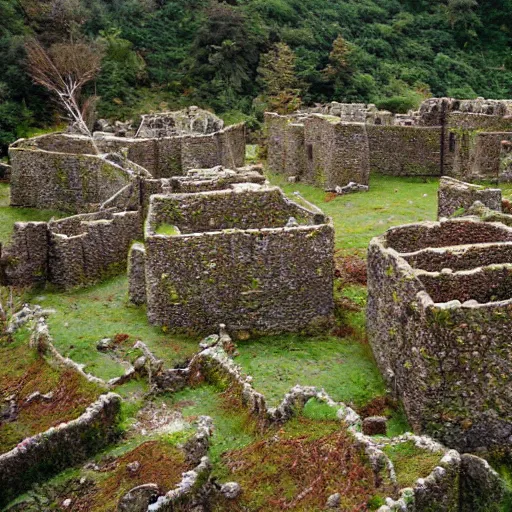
(24, 372)
(9, 215)
(85, 316)
(411, 462)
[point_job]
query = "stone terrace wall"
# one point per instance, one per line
(39, 457)
(172, 156)
(405, 150)
(68, 182)
(450, 361)
(264, 279)
(454, 195)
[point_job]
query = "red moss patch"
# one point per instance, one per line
(24, 373)
(350, 268)
(299, 467)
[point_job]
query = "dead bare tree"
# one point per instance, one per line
(64, 70)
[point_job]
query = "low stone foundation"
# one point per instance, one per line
(47, 453)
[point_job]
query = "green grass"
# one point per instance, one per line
(344, 368)
(231, 431)
(411, 462)
(167, 229)
(84, 316)
(9, 214)
(358, 218)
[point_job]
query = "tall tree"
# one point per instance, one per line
(277, 77)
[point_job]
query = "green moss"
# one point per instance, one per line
(411, 462)
(167, 229)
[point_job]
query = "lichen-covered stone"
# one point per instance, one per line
(439, 321)
(234, 261)
(455, 196)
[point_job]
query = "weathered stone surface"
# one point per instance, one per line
(233, 261)
(42, 455)
(445, 354)
(455, 195)
(316, 149)
(136, 274)
(351, 188)
(139, 498)
(231, 490)
(481, 487)
(187, 121)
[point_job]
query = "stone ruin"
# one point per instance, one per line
(465, 139)
(318, 149)
(187, 121)
(85, 248)
(246, 256)
(439, 303)
(456, 197)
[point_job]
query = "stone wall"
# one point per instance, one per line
(39, 457)
(405, 150)
(476, 152)
(233, 261)
(70, 252)
(172, 156)
(62, 181)
(188, 120)
(455, 195)
(445, 354)
(318, 149)
(95, 250)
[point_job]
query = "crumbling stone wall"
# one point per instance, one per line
(43, 455)
(95, 249)
(63, 181)
(70, 252)
(172, 156)
(233, 261)
(24, 261)
(438, 323)
(455, 195)
(475, 150)
(318, 149)
(186, 121)
(405, 150)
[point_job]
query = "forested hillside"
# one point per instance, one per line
(242, 56)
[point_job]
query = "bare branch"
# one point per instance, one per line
(64, 70)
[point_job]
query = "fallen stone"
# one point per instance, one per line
(139, 498)
(334, 500)
(351, 188)
(231, 490)
(133, 467)
(104, 344)
(209, 341)
(375, 425)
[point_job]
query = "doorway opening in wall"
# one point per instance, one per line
(309, 150)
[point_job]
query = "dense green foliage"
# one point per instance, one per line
(167, 53)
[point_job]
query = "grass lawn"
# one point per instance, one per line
(9, 215)
(85, 316)
(358, 218)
